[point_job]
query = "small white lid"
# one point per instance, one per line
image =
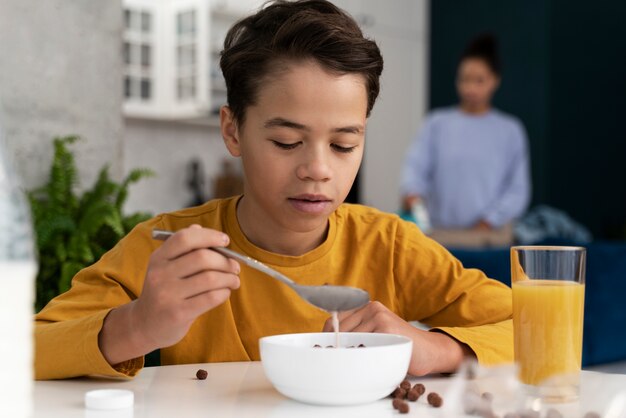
(109, 399)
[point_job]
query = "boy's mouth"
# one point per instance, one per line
(310, 203)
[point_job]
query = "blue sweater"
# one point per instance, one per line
(469, 168)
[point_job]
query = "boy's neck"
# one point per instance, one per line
(274, 238)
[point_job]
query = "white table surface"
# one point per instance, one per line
(242, 390)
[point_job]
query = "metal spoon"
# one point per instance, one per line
(327, 297)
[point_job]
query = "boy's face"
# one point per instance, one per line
(301, 145)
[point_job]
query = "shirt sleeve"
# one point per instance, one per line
(435, 289)
(67, 328)
(417, 171)
(515, 195)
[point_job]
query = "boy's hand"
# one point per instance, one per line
(432, 351)
(184, 280)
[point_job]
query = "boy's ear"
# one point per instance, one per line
(230, 131)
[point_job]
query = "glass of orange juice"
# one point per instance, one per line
(548, 302)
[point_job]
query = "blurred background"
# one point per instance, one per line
(139, 82)
(563, 75)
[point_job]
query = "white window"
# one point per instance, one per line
(137, 52)
(146, 60)
(186, 23)
(186, 55)
(146, 22)
(171, 58)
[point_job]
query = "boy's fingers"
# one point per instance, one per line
(192, 238)
(328, 325)
(200, 260)
(367, 326)
(203, 302)
(353, 321)
(208, 281)
(347, 320)
(346, 314)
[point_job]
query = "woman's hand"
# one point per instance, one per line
(433, 352)
(483, 225)
(184, 279)
(409, 200)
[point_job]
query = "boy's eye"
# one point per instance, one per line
(283, 145)
(345, 150)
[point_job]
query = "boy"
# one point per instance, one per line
(301, 81)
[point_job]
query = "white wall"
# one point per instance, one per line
(167, 148)
(400, 28)
(60, 73)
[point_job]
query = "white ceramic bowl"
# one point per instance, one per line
(331, 376)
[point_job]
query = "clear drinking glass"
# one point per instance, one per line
(548, 303)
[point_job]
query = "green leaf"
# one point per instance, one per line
(63, 175)
(60, 251)
(133, 177)
(96, 216)
(137, 174)
(114, 221)
(79, 249)
(131, 221)
(68, 271)
(75, 230)
(103, 189)
(97, 250)
(52, 228)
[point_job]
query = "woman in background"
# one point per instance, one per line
(469, 164)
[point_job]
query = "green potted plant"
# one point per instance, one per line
(73, 231)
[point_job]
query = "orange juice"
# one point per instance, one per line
(548, 329)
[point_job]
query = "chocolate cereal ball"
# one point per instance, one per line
(201, 374)
(434, 399)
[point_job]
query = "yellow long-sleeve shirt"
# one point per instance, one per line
(409, 273)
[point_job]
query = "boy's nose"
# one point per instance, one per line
(315, 168)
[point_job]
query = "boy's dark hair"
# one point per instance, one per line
(484, 47)
(283, 31)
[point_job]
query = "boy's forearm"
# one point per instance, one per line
(446, 355)
(452, 353)
(121, 339)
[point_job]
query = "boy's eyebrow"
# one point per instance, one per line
(354, 129)
(285, 123)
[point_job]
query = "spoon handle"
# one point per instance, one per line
(162, 235)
